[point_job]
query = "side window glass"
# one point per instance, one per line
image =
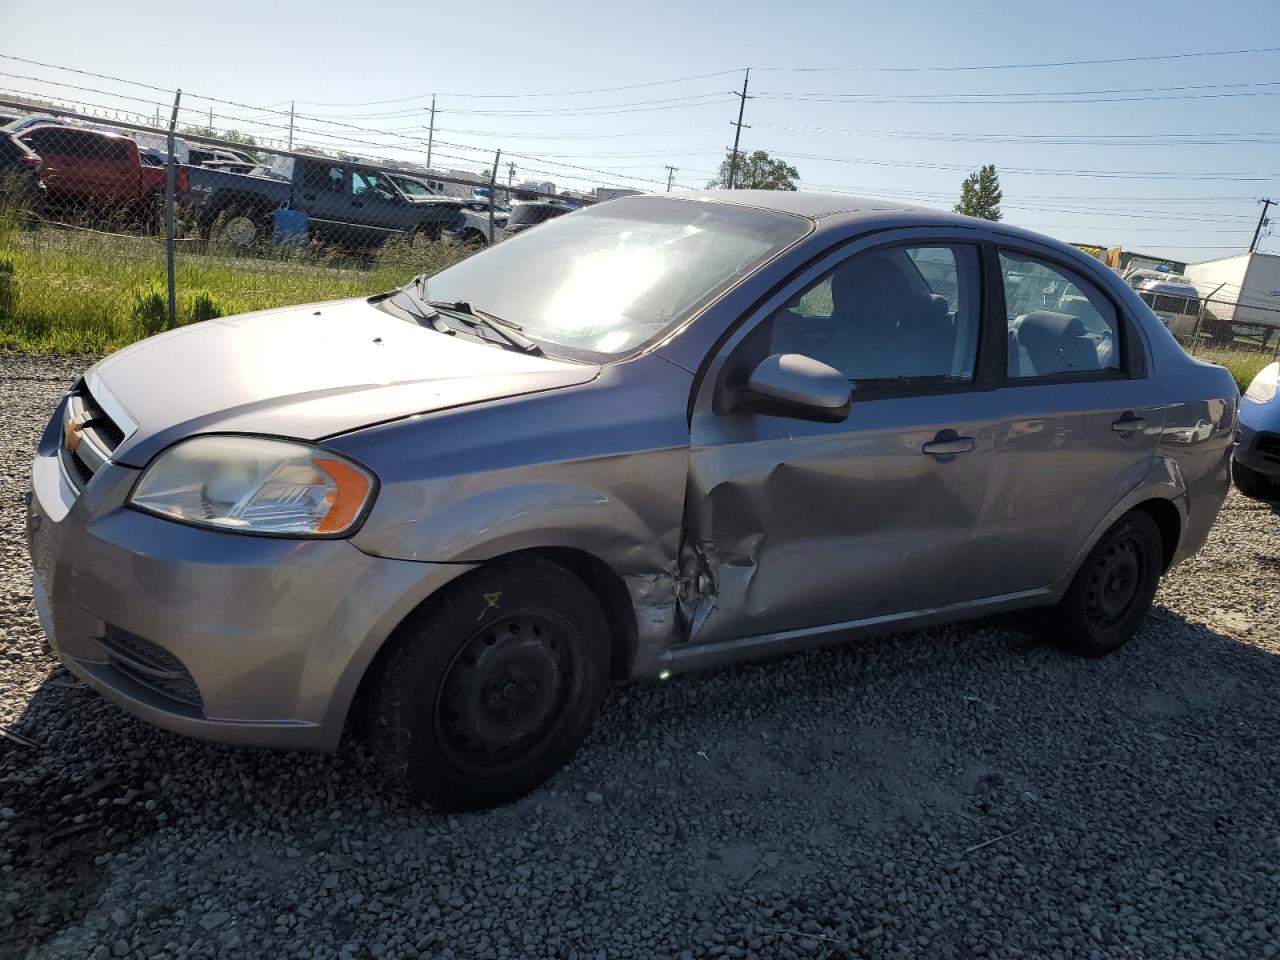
(902, 314)
(1059, 324)
(372, 186)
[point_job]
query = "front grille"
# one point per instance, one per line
(151, 665)
(89, 436)
(1268, 446)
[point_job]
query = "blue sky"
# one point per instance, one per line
(830, 94)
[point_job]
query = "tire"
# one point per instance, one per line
(423, 236)
(491, 688)
(1253, 483)
(474, 238)
(1113, 589)
(238, 226)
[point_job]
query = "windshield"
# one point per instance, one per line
(414, 188)
(607, 279)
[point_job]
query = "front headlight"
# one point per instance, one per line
(255, 485)
(1263, 388)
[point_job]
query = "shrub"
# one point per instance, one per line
(8, 287)
(205, 306)
(149, 308)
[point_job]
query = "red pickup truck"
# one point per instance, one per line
(98, 170)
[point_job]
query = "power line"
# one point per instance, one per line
(906, 97)
(1024, 66)
(525, 95)
(1104, 174)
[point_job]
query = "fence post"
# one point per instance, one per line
(169, 231)
(1195, 334)
(493, 186)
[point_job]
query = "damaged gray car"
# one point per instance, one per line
(654, 435)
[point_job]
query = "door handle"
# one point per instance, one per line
(1128, 423)
(953, 444)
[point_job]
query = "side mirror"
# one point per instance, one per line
(793, 385)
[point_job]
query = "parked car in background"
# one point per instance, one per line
(1255, 459)
(199, 156)
(475, 213)
(1173, 298)
(666, 433)
(530, 213)
(20, 184)
(100, 173)
(347, 204)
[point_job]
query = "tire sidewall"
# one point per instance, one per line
(407, 712)
(1076, 629)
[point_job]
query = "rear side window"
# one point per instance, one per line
(10, 149)
(112, 148)
(1059, 324)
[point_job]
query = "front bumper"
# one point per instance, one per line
(273, 634)
(1263, 456)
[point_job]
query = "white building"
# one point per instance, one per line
(1251, 287)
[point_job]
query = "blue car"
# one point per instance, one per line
(1255, 461)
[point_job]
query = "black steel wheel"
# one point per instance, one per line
(489, 688)
(1113, 589)
(505, 689)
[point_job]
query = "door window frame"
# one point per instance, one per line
(1132, 355)
(719, 384)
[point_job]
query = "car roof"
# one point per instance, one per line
(75, 129)
(837, 210)
(804, 203)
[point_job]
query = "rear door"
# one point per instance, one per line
(1081, 418)
(793, 524)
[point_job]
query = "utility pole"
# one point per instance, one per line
(1262, 222)
(431, 131)
(671, 172)
(290, 124)
(511, 172)
(210, 119)
(742, 104)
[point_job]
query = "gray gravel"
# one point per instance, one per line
(954, 792)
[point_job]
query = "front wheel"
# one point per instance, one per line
(491, 687)
(1253, 483)
(1113, 590)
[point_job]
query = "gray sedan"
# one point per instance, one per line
(654, 435)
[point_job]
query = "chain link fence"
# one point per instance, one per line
(112, 231)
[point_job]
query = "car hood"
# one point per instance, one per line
(307, 372)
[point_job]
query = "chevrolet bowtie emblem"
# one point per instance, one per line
(73, 432)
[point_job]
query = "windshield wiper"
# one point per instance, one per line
(509, 331)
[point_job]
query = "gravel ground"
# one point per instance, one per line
(954, 792)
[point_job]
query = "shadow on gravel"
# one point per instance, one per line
(862, 741)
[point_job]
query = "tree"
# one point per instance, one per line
(980, 194)
(755, 171)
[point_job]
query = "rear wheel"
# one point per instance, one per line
(1113, 590)
(492, 687)
(1253, 483)
(239, 226)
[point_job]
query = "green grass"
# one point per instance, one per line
(1244, 364)
(81, 292)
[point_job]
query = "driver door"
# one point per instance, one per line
(377, 206)
(795, 525)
